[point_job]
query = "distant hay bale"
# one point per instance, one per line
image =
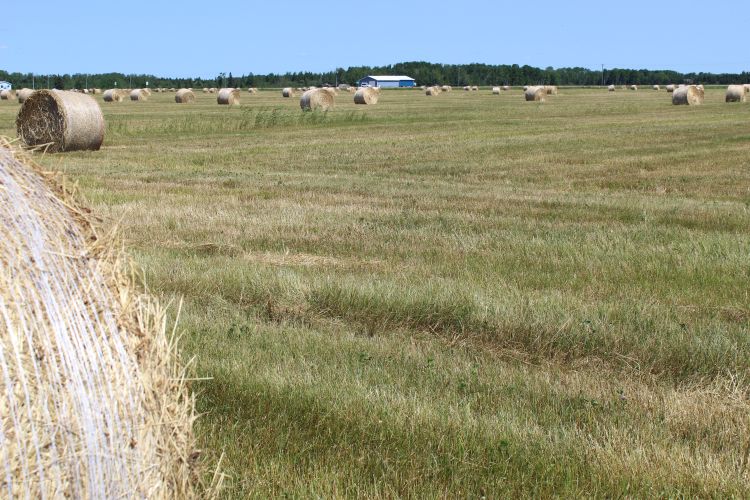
(252, 90)
(138, 95)
(67, 121)
(495, 90)
(212, 90)
(351, 89)
(506, 87)
(228, 96)
(184, 96)
(7, 95)
(147, 92)
(656, 87)
(689, 95)
(316, 99)
(114, 95)
(747, 87)
(550, 89)
(205, 90)
(287, 92)
(634, 87)
(467, 88)
(670, 88)
(97, 91)
(735, 93)
(474, 87)
(366, 95)
(525, 88)
(535, 94)
(332, 90)
(23, 94)
(446, 88)
(611, 88)
(432, 91)
(97, 406)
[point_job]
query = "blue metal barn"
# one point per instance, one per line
(386, 81)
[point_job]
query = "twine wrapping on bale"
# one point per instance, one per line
(94, 402)
(495, 90)
(184, 96)
(366, 95)
(535, 94)
(735, 93)
(64, 121)
(287, 92)
(23, 94)
(228, 96)
(690, 95)
(316, 99)
(7, 95)
(138, 95)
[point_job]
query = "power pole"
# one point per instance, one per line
(602, 74)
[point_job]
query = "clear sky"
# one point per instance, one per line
(202, 39)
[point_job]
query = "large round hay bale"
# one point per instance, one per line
(287, 92)
(735, 93)
(334, 92)
(634, 87)
(467, 88)
(611, 88)
(97, 91)
(93, 405)
(184, 96)
(525, 88)
(656, 87)
(506, 87)
(7, 95)
(316, 99)
(366, 95)
(670, 88)
(138, 95)
(67, 121)
(446, 88)
(23, 94)
(147, 92)
(114, 95)
(474, 87)
(535, 94)
(495, 90)
(690, 95)
(432, 91)
(252, 90)
(550, 89)
(230, 97)
(747, 88)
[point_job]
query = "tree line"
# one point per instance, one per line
(424, 73)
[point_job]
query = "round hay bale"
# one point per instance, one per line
(138, 95)
(97, 91)
(184, 96)
(23, 94)
(656, 87)
(333, 91)
(114, 95)
(366, 95)
(525, 88)
(252, 90)
(467, 88)
(229, 97)
(689, 95)
(68, 121)
(432, 91)
(735, 93)
(316, 99)
(634, 87)
(747, 87)
(7, 95)
(147, 92)
(550, 89)
(474, 87)
(506, 87)
(611, 88)
(446, 88)
(495, 90)
(96, 407)
(535, 94)
(205, 90)
(287, 92)
(670, 88)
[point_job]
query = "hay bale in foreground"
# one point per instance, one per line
(67, 121)
(735, 93)
(611, 88)
(366, 95)
(495, 90)
(287, 92)
(23, 94)
(7, 95)
(229, 97)
(689, 95)
(98, 407)
(184, 96)
(316, 99)
(535, 94)
(138, 95)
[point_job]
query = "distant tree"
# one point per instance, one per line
(230, 81)
(59, 83)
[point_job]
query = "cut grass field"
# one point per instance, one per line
(459, 295)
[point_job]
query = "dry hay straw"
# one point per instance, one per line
(366, 95)
(138, 95)
(446, 88)
(230, 97)
(611, 88)
(316, 99)
(495, 90)
(23, 94)
(7, 95)
(535, 94)
(432, 91)
(634, 87)
(147, 92)
(332, 90)
(656, 87)
(690, 95)
(287, 92)
(747, 87)
(467, 88)
(506, 87)
(550, 89)
(61, 121)
(114, 95)
(94, 400)
(735, 93)
(184, 96)
(670, 88)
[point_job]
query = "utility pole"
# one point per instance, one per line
(602, 74)
(32, 82)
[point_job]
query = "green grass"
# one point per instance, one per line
(452, 295)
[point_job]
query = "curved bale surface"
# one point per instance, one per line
(184, 96)
(23, 94)
(446, 88)
(113, 95)
(7, 95)
(432, 91)
(316, 99)
(634, 87)
(67, 121)
(689, 95)
(495, 90)
(735, 93)
(670, 88)
(656, 87)
(138, 95)
(98, 407)
(229, 97)
(287, 92)
(366, 95)
(535, 94)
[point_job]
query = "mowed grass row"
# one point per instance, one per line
(452, 294)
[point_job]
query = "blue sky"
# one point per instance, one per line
(190, 38)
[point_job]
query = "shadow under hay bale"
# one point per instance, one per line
(94, 403)
(66, 121)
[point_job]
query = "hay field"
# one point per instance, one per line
(453, 296)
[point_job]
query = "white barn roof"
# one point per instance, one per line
(389, 78)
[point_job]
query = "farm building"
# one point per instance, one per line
(5, 85)
(386, 81)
